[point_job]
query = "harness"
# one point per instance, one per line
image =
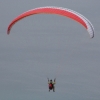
(50, 86)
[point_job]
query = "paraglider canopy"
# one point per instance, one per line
(56, 10)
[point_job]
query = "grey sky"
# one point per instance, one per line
(49, 46)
